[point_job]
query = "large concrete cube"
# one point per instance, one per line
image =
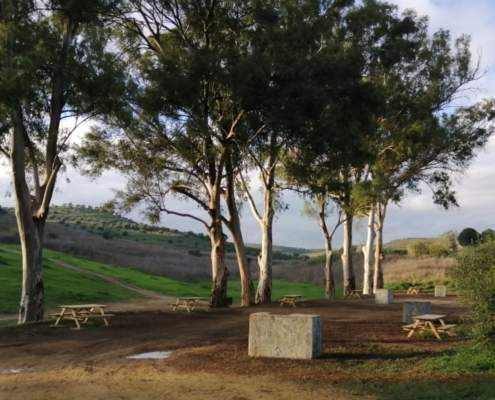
(295, 336)
(412, 308)
(440, 291)
(384, 296)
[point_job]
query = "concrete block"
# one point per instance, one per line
(412, 308)
(384, 296)
(296, 336)
(440, 291)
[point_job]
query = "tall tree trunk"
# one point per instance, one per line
(347, 267)
(368, 253)
(30, 232)
(219, 270)
(264, 290)
(328, 272)
(234, 225)
(265, 221)
(378, 267)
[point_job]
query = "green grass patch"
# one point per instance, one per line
(422, 284)
(477, 358)
(172, 287)
(61, 285)
(470, 389)
(65, 286)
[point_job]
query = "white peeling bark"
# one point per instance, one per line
(368, 253)
(349, 282)
(379, 256)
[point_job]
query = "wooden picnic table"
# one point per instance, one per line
(412, 290)
(354, 294)
(429, 322)
(191, 303)
(290, 300)
(81, 313)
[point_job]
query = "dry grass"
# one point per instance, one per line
(400, 268)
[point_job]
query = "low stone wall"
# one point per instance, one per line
(384, 296)
(296, 336)
(412, 308)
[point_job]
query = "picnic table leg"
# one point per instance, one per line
(102, 313)
(59, 317)
(434, 330)
(413, 329)
(76, 320)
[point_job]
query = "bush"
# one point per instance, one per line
(469, 237)
(488, 235)
(474, 278)
(437, 249)
(195, 253)
(418, 248)
(107, 234)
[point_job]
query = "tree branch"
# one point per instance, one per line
(251, 202)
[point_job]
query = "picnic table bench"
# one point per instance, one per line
(354, 294)
(191, 303)
(429, 322)
(413, 290)
(82, 313)
(290, 300)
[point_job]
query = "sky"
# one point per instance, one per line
(416, 216)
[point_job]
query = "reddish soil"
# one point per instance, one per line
(210, 354)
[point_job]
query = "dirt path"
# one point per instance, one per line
(114, 281)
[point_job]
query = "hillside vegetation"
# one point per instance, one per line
(66, 286)
(104, 237)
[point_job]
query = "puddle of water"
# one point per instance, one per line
(151, 355)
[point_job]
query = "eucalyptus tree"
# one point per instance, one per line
(55, 73)
(419, 138)
(196, 81)
(337, 151)
(295, 37)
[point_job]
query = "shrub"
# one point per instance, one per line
(468, 237)
(488, 235)
(438, 249)
(474, 278)
(194, 253)
(418, 248)
(106, 234)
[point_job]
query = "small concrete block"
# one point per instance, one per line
(384, 296)
(296, 336)
(412, 308)
(440, 291)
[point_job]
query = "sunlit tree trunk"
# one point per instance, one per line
(30, 234)
(265, 221)
(368, 253)
(219, 270)
(234, 225)
(349, 281)
(378, 267)
(328, 272)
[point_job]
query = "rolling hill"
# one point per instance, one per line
(71, 279)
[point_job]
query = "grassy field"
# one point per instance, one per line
(61, 285)
(64, 286)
